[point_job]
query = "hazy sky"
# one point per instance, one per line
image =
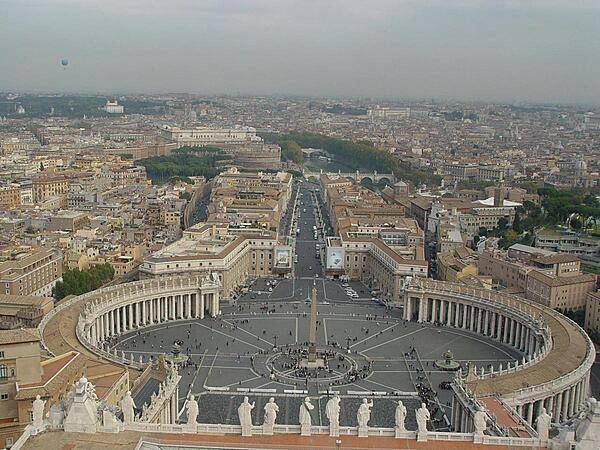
(523, 50)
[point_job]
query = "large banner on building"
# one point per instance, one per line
(335, 258)
(283, 257)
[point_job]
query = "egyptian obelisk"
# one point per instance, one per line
(312, 332)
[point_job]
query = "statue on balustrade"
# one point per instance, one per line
(192, 410)
(245, 416)
(332, 411)
(542, 424)
(38, 412)
(271, 410)
(423, 416)
(128, 408)
(304, 415)
(400, 416)
(363, 415)
(480, 421)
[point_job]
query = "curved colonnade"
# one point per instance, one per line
(554, 371)
(119, 309)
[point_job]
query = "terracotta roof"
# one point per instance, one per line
(557, 258)
(130, 440)
(561, 281)
(18, 336)
(58, 374)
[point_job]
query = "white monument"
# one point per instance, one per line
(192, 412)
(128, 408)
(82, 414)
(479, 421)
(271, 410)
(542, 424)
(245, 416)
(332, 411)
(38, 413)
(400, 417)
(422, 415)
(588, 430)
(363, 415)
(304, 416)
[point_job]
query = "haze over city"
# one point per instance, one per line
(518, 51)
(325, 224)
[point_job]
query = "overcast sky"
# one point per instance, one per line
(513, 50)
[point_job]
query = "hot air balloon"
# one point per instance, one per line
(64, 62)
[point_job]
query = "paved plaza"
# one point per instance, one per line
(226, 352)
(255, 346)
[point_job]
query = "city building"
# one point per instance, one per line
(235, 254)
(23, 311)
(31, 271)
(552, 279)
(592, 313)
(201, 136)
(113, 107)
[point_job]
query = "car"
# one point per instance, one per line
(309, 267)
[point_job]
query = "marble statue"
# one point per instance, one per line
(423, 416)
(271, 410)
(82, 409)
(480, 421)
(38, 412)
(128, 407)
(192, 410)
(588, 430)
(542, 424)
(245, 416)
(304, 415)
(363, 415)
(400, 416)
(332, 411)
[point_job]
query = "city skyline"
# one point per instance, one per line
(469, 51)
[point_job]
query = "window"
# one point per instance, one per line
(2, 354)
(3, 396)
(3, 371)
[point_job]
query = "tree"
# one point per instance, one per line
(503, 223)
(291, 151)
(517, 226)
(77, 282)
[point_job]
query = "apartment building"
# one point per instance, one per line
(458, 263)
(553, 279)
(235, 254)
(23, 310)
(592, 313)
(373, 262)
(587, 247)
(32, 271)
(47, 187)
(377, 244)
(200, 136)
(250, 200)
(10, 196)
